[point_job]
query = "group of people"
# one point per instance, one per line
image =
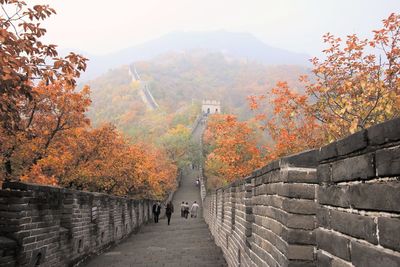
(169, 209)
(185, 209)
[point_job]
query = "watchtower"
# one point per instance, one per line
(211, 107)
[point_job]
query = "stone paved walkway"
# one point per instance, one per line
(186, 242)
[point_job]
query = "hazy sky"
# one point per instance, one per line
(101, 26)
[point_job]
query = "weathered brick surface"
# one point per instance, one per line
(358, 167)
(334, 244)
(359, 200)
(274, 215)
(385, 132)
(359, 226)
(352, 143)
(388, 161)
(369, 256)
(58, 227)
(389, 232)
(341, 211)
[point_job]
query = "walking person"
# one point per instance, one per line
(186, 210)
(183, 209)
(193, 210)
(156, 211)
(169, 209)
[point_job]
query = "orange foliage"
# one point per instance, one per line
(24, 57)
(234, 152)
(53, 112)
(45, 136)
(291, 126)
(102, 160)
(356, 86)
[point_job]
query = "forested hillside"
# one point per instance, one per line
(179, 81)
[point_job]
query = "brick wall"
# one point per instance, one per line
(268, 218)
(335, 206)
(359, 199)
(60, 227)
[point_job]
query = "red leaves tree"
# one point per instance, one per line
(45, 120)
(354, 87)
(233, 150)
(103, 160)
(24, 58)
(291, 127)
(45, 136)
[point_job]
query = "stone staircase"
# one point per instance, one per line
(186, 242)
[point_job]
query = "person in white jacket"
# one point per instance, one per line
(194, 209)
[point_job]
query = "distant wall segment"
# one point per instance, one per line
(335, 206)
(54, 226)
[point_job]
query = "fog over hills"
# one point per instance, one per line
(180, 81)
(236, 45)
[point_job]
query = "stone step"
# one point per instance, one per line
(186, 242)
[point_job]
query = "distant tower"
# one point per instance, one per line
(211, 107)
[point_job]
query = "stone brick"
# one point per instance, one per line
(379, 196)
(299, 175)
(296, 263)
(358, 226)
(352, 143)
(334, 195)
(327, 152)
(299, 206)
(388, 162)
(358, 167)
(274, 165)
(334, 244)
(299, 236)
(324, 173)
(389, 232)
(306, 159)
(273, 177)
(388, 131)
(341, 263)
(368, 256)
(323, 259)
(323, 217)
(306, 191)
(306, 222)
(298, 252)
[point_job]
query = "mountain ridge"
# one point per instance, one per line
(237, 45)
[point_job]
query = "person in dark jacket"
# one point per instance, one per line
(169, 209)
(183, 209)
(156, 211)
(186, 210)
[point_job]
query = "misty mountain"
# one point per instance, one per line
(179, 81)
(243, 46)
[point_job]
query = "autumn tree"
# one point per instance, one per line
(354, 87)
(232, 149)
(24, 58)
(45, 136)
(28, 68)
(103, 160)
(290, 126)
(44, 121)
